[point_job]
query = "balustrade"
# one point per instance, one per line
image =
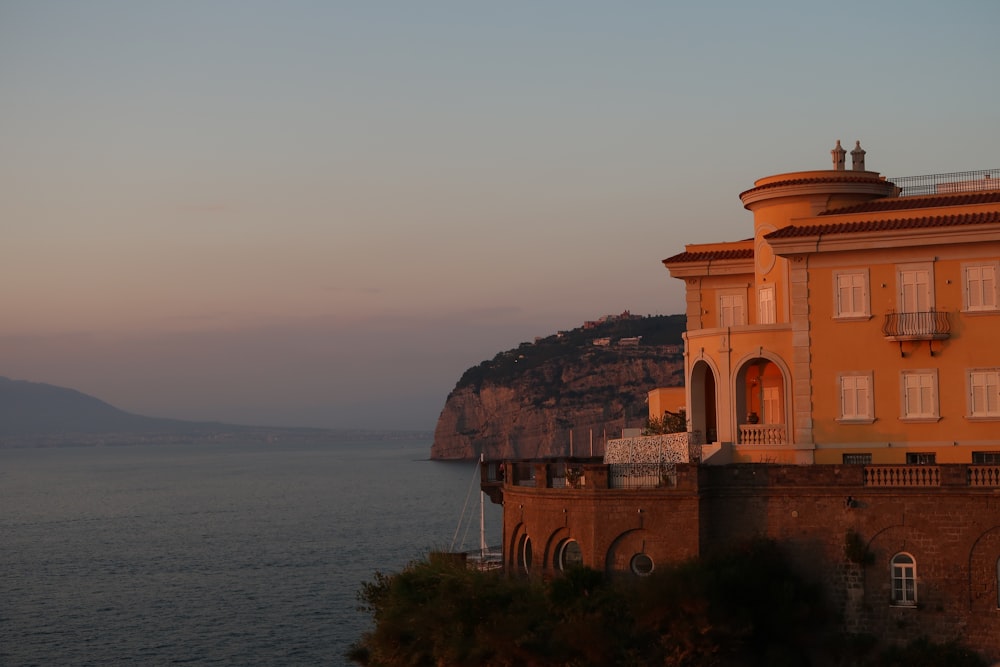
(762, 434)
(902, 475)
(984, 475)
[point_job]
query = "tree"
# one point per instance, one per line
(670, 422)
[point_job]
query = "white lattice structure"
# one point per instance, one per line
(669, 448)
(649, 461)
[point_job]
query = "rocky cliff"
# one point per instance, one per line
(568, 391)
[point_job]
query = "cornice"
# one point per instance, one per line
(892, 238)
(816, 187)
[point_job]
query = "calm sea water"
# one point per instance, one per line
(220, 554)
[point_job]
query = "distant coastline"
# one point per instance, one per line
(235, 434)
(34, 414)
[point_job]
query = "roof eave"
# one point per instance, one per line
(895, 238)
(714, 267)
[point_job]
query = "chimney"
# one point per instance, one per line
(839, 155)
(858, 157)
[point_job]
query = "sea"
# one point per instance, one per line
(221, 554)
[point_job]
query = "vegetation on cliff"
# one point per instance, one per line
(652, 331)
(743, 607)
(588, 383)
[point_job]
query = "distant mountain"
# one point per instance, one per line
(34, 408)
(35, 414)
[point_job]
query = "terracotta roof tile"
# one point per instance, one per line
(926, 222)
(930, 201)
(710, 255)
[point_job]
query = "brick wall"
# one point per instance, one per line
(951, 530)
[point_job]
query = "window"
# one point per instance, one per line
(986, 458)
(857, 459)
(921, 458)
(641, 565)
(916, 293)
(766, 313)
(904, 580)
(568, 555)
(856, 403)
(770, 405)
(919, 395)
(524, 554)
(980, 282)
(984, 393)
(732, 309)
(851, 294)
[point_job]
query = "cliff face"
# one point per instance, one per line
(542, 399)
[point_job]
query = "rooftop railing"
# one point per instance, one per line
(956, 181)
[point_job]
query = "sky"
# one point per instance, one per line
(320, 213)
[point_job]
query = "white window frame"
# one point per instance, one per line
(740, 298)
(918, 395)
(856, 306)
(856, 397)
(903, 283)
(767, 312)
(977, 287)
(985, 381)
(903, 580)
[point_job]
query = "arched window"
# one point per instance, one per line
(524, 554)
(904, 580)
(568, 555)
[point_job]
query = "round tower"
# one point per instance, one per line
(777, 201)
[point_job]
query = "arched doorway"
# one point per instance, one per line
(703, 401)
(760, 403)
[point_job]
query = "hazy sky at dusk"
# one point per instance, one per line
(320, 213)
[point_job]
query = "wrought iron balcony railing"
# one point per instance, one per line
(916, 326)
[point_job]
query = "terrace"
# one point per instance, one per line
(592, 475)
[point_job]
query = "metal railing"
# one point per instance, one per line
(524, 473)
(641, 475)
(494, 471)
(762, 434)
(916, 326)
(902, 475)
(956, 181)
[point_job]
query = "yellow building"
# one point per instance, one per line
(859, 324)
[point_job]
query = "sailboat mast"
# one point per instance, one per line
(482, 511)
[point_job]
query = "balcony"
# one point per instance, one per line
(762, 434)
(590, 476)
(930, 326)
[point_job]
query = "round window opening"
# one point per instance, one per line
(642, 565)
(569, 555)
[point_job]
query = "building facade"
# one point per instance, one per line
(842, 387)
(857, 325)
